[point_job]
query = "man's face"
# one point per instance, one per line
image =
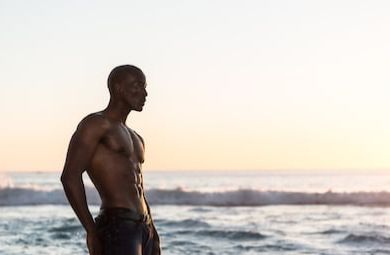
(134, 91)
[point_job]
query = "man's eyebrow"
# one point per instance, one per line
(143, 83)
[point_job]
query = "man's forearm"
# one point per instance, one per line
(75, 192)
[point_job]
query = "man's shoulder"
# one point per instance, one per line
(94, 121)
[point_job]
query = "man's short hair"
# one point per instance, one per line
(119, 73)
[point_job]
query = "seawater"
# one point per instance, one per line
(214, 213)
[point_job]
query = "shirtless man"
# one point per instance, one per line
(112, 155)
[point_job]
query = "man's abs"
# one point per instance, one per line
(119, 189)
(118, 180)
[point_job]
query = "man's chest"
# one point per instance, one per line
(123, 140)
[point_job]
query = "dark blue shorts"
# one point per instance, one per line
(122, 232)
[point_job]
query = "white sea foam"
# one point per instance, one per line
(12, 196)
(5, 181)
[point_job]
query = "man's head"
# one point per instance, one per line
(127, 83)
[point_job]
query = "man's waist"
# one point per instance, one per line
(124, 213)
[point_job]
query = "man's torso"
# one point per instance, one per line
(115, 168)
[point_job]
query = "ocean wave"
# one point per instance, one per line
(331, 231)
(187, 223)
(250, 197)
(66, 228)
(228, 234)
(365, 239)
(233, 235)
(12, 196)
(267, 247)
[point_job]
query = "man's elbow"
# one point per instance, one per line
(68, 180)
(63, 178)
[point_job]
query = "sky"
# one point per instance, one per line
(232, 85)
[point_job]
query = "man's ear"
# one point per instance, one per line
(118, 88)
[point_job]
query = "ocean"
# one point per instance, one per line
(220, 212)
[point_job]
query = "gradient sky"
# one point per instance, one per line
(234, 85)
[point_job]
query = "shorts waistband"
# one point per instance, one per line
(125, 213)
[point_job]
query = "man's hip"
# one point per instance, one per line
(124, 232)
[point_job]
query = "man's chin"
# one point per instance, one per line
(139, 109)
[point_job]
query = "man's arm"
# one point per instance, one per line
(81, 148)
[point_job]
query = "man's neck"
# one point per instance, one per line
(117, 111)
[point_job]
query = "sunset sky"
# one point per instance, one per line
(233, 85)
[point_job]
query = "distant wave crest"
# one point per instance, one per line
(250, 197)
(13, 196)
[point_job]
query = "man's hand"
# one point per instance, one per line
(94, 244)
